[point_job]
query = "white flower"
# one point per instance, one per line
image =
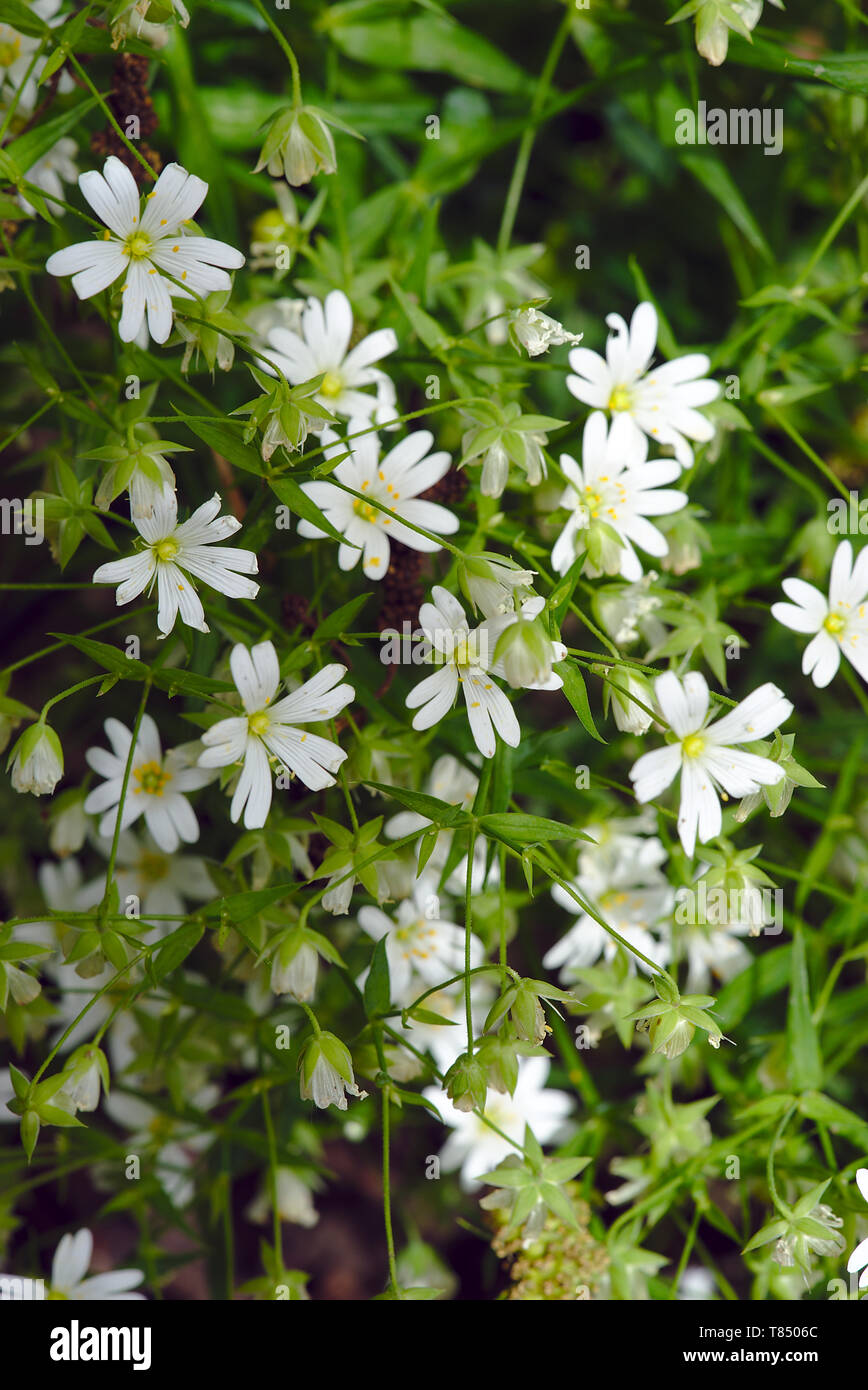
(139, 244)
(626, 611)
(859, 1258)
(630, 893)
(395, 481)
(418, 943)
(661, 403)
(840, 622)
(70, 1265)
(173, 553)
(294, 970)
(321, 349)
(466, 658)
(536, 332)
(267, 729)
(36, 761)
(69, 825)
(157, 787)
(85, 1078)
(326, 1073)
(294, 1200)
(474, 1147)
(617, 487)
(715, 19)
(55, 168)
(705, 754)
(163, 882)
(711, 951)
(173, 1144)
(17, 52)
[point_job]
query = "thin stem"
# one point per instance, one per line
(290, 56)
(387, 1197)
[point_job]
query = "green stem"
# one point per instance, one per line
(522, 160)
(290, 56)
(387, 1197)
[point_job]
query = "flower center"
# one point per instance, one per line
(258, 723)
(331, 386)
(9, 51)
(153, 867)
(620, 399)
(366, 511)
(693, 745)
(151, 778)
(166, 549)
(137, 246)
(834, 623)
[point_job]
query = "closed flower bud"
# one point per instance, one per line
(294, 969)
(629, 716)
(85, 1072)
(526, 652)
(37, 760)
(466, 1083)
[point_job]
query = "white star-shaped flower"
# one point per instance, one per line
(70, 1266)
(268, 730)
(466, 659)
(840, 622)
(140, 244)
(157, 787)
(396, 481)
(616, 485)
(173, 553)
(418, 942)
(322, 348)
(661, 403)
(705, 753)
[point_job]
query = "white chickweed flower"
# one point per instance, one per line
(157, 787)
(537, 332)
(395, 481)
(839, 622)
(322, 348)
(706, 754)
(173, 553)
(268, 730)
(661, 403)
(611, 495)
(139, 244)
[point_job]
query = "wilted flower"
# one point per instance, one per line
(493, 583)
(536, 332)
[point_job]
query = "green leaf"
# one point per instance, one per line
(577, 694)
(342, 618)
(440, 812)
(176, 948)
(522, 829)
(29, 148)
(716, 179)
(226, 440)
(378, 989)
(429, 42)
(292, 496)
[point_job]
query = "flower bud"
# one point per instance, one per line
(85, 1072)
(526, 653)
(466, 1083)
(294, 969)
(492, 584)
(629, 717)
(37, 760)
